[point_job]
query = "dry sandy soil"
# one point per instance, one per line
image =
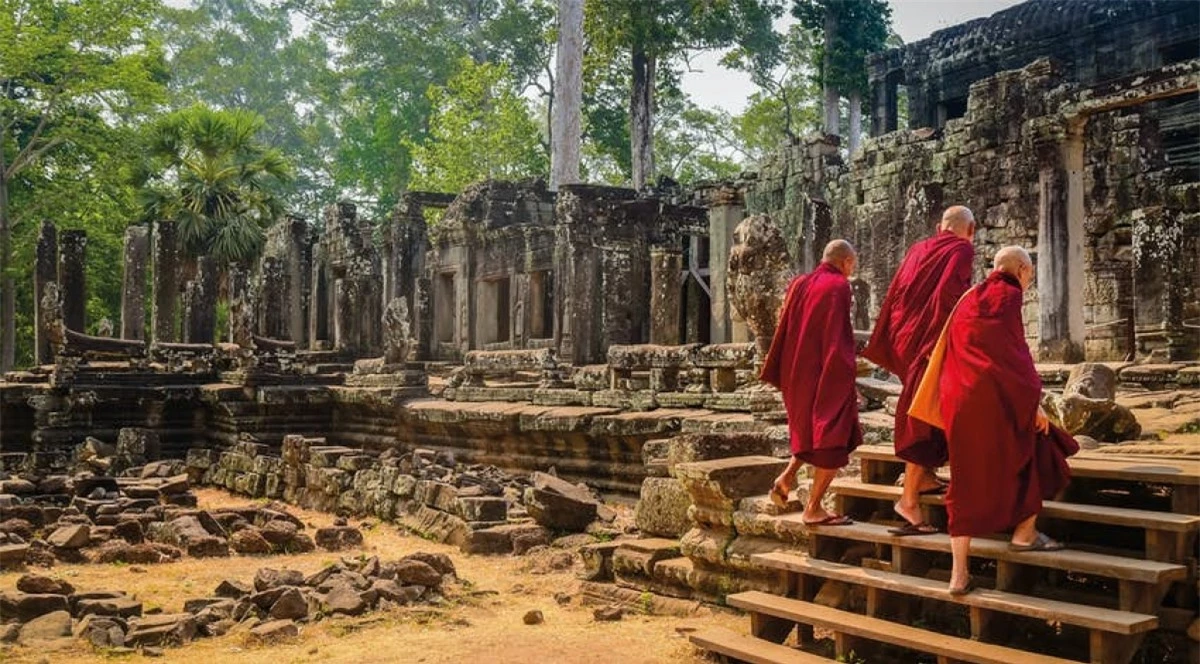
(481, 621)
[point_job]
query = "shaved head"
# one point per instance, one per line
(959, 219)
(1015, 260)
(840, 254)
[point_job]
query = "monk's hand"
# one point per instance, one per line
(1042, 423)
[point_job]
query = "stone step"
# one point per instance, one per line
(1089, 617)
(746, 648)
(1114, 567)
(845, 623)
(1113, 516)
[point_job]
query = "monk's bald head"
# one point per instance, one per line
(1015, 260)
(959, 219)
(841, 254)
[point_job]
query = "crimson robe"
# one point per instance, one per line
(811, 361)
(933, 275)
(1001, 468)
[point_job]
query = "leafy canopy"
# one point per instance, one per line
(207, 170)
(479, 128)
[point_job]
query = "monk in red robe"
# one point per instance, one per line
(1005, 457)
(812, 362)
(933, 275)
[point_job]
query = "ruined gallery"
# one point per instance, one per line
(583, 362)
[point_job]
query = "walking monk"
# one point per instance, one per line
(812, 362)
(933, 275)
(1005, 457)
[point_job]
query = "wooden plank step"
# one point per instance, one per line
(746, 648)
(1114, 567)
(1090, 617)
(1185, 473)
(1115, 516)
(866, 627)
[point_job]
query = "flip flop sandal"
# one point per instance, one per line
(1040, 543)
(910, 529)
(959, 592)
(831, 520)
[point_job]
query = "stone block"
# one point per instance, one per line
(662, 508)
(559, 512)
(634, 558)
(162, 629)
(49, 627)
(706, 447)
(24, 607)
(74, 536)
(483, 508)
(274, 631)
(721, 483)
(597, 561)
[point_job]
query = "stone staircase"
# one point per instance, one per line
(1129, 573)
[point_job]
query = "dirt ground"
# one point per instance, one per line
(481, 621)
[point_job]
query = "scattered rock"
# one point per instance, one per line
(274, 631)
(534, 617)
(24, 607)
(291, 605)
(249, 541)
(48, 627)
(418, 573)
(338, 538)
(345, 600)
(74, 536)
(563, 599)
(268, 578)
(44, 585)
(608, 613)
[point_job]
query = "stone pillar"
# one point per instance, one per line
(424, 318)
(166, 284)
(133, 286)
(72, 278)
(45, 271)
(723, 218)
(200, 304)
(1059, 254)
(666, 292)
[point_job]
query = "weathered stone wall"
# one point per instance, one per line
(1076, 175)
(1094, 40)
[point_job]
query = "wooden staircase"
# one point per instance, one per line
(1131, 526)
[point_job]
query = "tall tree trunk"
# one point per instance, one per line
(641, 118)
(8, 301)
(831, 93)
(855, 129)
(567, 102)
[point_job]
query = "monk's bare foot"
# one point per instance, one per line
(911, 513)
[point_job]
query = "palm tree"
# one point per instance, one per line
(206, 169)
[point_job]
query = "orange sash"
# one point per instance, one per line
(927, 400)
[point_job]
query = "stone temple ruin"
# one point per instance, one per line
(430, 374)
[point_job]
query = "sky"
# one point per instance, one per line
(711, 85)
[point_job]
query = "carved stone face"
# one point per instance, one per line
(758, 276)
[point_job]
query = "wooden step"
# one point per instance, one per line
(1115, 516)
(1114, 567)
(1152, 470)
(865, 627)
(746, 648)
(1089, 617)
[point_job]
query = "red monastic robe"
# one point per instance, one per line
(933, 275)
(812, 363)
(1001, 468)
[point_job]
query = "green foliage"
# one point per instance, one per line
(479, 128)
(658, 36)
(787, 104)
(242, 54)
(694, 143)
(74, 78)
(863, 27)
(207, 170)
(389, 54)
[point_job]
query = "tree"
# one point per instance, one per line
(388, 54)
(566, 111)
(656, 36)
(244, 54)
(208, 170)
(787, 103)
(694, 143)
(852, 29)
(480, 128)
(67, 71)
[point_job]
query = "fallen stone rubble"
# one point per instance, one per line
(479, 508)
(147, 515)
(272, 607)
